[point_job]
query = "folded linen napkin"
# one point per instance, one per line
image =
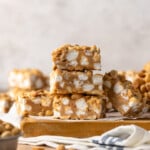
(120, 138)
(54, 141)
(130, 135)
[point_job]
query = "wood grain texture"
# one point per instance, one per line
(76, 128)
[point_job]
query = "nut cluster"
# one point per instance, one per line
(7, 130)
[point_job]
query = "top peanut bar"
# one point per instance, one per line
(75, 57)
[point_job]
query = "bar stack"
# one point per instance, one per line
(76, 83)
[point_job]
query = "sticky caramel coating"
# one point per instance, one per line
(125, 98)
(79, 106)
(70, 82)
(37, 103)
(7, 130)
(27, 79)
(75, 57)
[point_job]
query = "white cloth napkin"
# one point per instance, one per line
(130, 135)
(54, 141)
(120, 138)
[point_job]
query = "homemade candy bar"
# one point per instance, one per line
(35, 103)
(125, 98)
(75, 57)
(5, 102)
(31, 79)
(78, 106)
(68, 82)
(140, 81)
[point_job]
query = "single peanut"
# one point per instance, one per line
(15, 131)
(60, 147)
(6, 134)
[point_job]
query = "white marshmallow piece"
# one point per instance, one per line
(84, 61)
(73, 63)
(118, 88)
(77, 83)
(97, 79)
(72, 55)
(88, 87)
(37, 100)
(82, 76)
(39, 83)
(81, 104)
(56, 114)
(125, 108)
(65, 101)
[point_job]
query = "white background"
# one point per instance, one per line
(31, 29)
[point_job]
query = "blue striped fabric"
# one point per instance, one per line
(109, 142)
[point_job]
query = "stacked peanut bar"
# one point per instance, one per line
(76, 83)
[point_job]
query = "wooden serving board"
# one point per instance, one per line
(77, 128)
